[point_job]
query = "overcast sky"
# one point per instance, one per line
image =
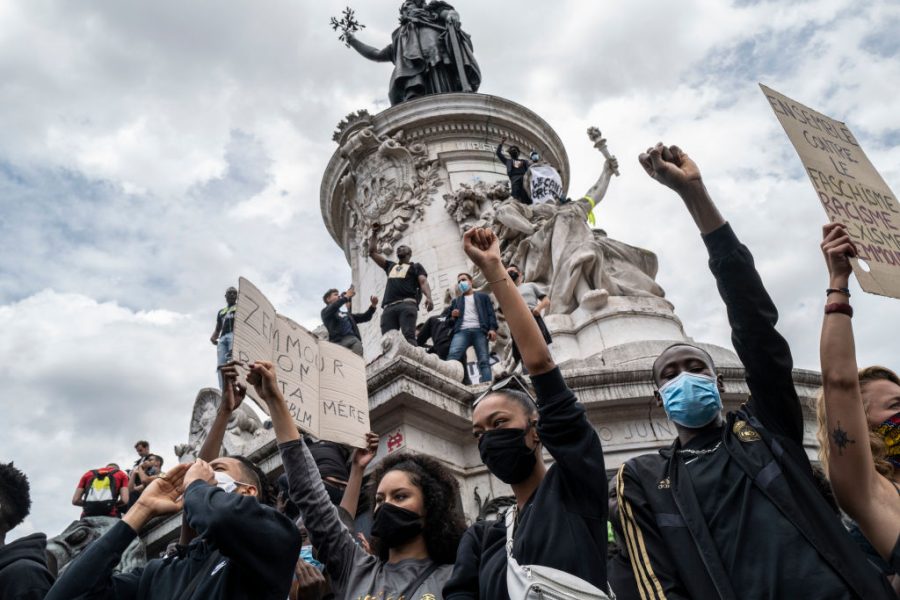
(152, 152)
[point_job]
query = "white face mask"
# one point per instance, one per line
(225, 482)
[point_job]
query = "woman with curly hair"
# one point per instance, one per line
(859, 416)
(417, 522)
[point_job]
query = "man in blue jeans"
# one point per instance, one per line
(475, 325)
(223, 336)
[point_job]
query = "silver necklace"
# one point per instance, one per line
(689, 452)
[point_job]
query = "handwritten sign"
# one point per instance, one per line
(544, 183)
(850, 189)
(324, 384)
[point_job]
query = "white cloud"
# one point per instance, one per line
(153, 152)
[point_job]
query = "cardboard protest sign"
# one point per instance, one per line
(324, 384)
(850, 189)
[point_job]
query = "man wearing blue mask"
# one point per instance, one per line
(731, 509)
(475, 324)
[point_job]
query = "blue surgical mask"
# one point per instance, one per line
(463, 286)
(225, 482)
(306, 553)
(691, 400)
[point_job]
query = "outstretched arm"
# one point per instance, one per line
(598, 190)
(365, 317)
(384, 55)
(500, 156)
(233, 394)
(380, 260)
(868, 498)
(361, 459)
(483, 248)
(751, 313)
(332, 539)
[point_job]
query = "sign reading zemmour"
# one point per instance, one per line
(324, 384)
(850, 189)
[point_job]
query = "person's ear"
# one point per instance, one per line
(250, 491)
(720, 383)
(656, 395)
(535, 437)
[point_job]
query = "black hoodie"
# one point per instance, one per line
(246, 551)
(23, 569)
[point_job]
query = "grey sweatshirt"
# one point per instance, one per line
(355, 574)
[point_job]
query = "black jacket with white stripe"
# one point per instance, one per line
(672, 552)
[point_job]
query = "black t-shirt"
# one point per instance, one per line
(225, 319)
(403, 282)
(725, 493)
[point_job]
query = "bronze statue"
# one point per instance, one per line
(431, 54)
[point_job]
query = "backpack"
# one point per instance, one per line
(101, 494)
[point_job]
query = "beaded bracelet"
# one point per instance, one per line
(844, 291)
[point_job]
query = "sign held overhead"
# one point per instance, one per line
(850, 189)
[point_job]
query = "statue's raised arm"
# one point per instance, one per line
(370, 52)
(431, 54)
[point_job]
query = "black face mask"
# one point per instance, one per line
(506, 454)
(395, 526)
(335, 493)
(514, 275)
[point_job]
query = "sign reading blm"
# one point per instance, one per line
(324, 384)
(850, 189)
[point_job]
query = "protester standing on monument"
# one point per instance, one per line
(23, 563)
(559, 519)
(417, 521)
(537, 302)
(474, 325)
(342, 325)
(142, 447)
(223, 335)
(516, 168)
(859, 417)
(732, 508)
(407, 282)
(245, 549)
(101, 492)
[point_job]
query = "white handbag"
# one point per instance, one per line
(537, 582)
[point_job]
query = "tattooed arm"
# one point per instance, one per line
(868, 497)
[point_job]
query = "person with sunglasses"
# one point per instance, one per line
(559, 520)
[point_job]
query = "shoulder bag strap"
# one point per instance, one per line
(412, 587)
(192, 586)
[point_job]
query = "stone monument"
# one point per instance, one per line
(425, 170)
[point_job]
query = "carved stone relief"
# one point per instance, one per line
(244, 434)
(390, 183)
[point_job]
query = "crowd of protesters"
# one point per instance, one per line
(733, 508)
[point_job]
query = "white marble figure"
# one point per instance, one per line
(555, 246)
